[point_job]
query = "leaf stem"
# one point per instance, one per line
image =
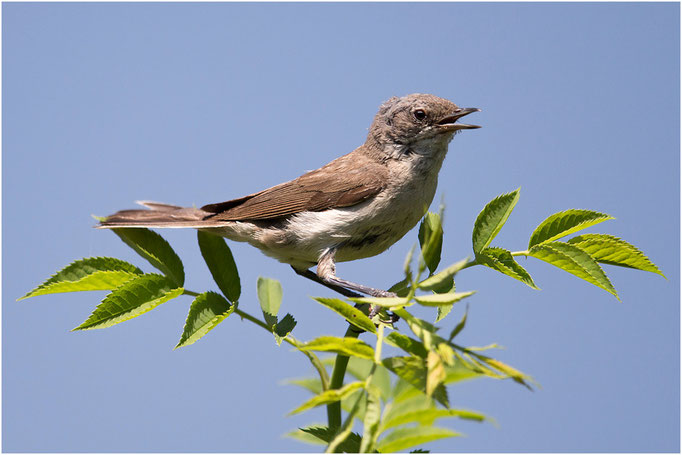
(471, 263)
(317, 364)
(338, 373)
(474, 262)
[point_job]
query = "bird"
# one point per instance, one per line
(354, 207)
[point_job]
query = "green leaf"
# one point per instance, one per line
(350, 445)
(352, 315)
(313, 385)
(402, 287)
(384, 302)
(284, 328)
(501, 260)
(220, 262)
(443, 310)
(429, 416)
(492, 218)
(407, 265)
(345, 346)
(442, 299)
(424, 330)
(614, 251)
(356, 402)
(206, 312)
(460, 326)
(507, 370)
(304, 437)
(88, 274)
(130, 300)
(564, 223)
(443, 278)
(413, 370)
(270, 297)
(574, 260)
(329, 396)
(404, 438)
(407, 344)
(371, 421)
(435, 372)
(154, 248)
(460, 373)
(431, 240)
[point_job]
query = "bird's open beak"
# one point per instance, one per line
(450, 124)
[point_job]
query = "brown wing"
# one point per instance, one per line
(344, 182)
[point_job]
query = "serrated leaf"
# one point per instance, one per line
(442, 299)
(492, 218)
(130, 300)
(439, 280)
(220, 262)
(501, 260)
(413, 370)
(460, 372)
(206, 312)
(306, 438)
(429, 416)
(443, 310)
(88, 274)
(460, 326)
(381, 381)
(406, 400)
(407, 344)
(574, 260)
(431, 240)
(564, 223)
(345, 346)
(507, 370)
(352, 315)
(356, 402)
(404, 438)
(422, 329)
(284, 328)
(384, 302)
(371, 421)
(154, 248)
(270, 298)
(350, 445)
(612, 250)
(329, 396)
(435, 372)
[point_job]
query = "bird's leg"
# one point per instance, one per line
(326, 271)
(312, 276)
(343, 291)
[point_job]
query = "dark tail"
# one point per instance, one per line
(160, 216)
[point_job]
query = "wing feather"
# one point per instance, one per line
(346, 181)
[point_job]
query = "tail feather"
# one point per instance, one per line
(160, 216)
(158, 205)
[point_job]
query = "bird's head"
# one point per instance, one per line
(414, 118)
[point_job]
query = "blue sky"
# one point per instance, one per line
(104, 104)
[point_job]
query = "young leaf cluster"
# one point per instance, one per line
(396, 393)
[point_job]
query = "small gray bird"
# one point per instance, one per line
(352, 208)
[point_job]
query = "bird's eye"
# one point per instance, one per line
(420, 114)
